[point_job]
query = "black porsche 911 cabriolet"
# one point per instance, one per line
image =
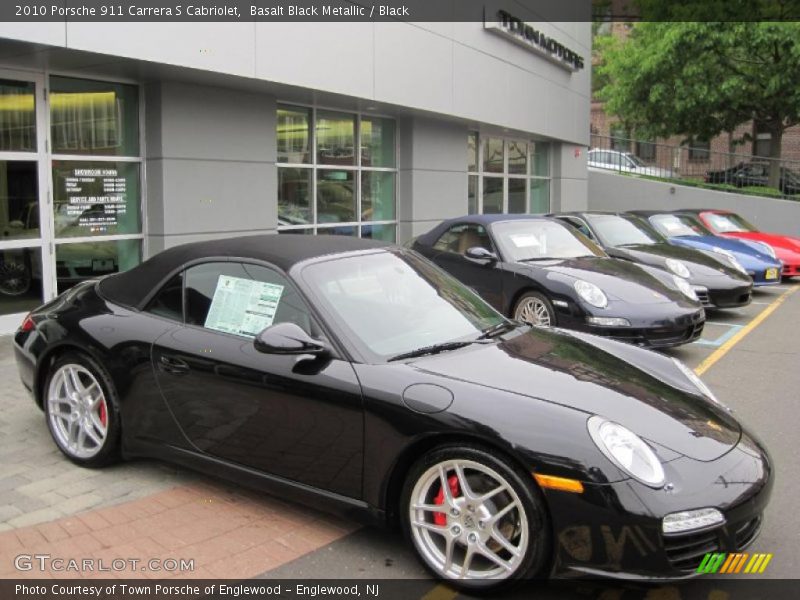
(541, 271)
(356, 375)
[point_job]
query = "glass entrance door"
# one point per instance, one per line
(25, 271)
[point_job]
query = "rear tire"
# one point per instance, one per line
(82, 410)
(474, 519)
(534, 308)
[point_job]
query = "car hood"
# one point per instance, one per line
(638, 389)
(782, 242)
(619, 279)
(740, 249)
(699, 263)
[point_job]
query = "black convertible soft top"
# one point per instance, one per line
(133, 287)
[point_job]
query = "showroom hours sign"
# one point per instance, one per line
(95, 199)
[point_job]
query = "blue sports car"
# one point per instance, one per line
(684, 229)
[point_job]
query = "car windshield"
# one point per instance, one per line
(614, 230)
(728, 223)
(541, 240)
(678, 226)
(390, 303)
(635, 159)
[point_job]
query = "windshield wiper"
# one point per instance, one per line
(496, 329)
(434, 349)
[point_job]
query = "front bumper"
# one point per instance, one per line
(614, 529)
(727, 298)
(661, 334)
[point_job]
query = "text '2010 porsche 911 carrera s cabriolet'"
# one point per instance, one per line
(359, 376)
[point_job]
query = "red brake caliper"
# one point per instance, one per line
(102, 413)
(452, 482)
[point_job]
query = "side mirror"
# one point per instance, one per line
(481, 254)
(288, 338)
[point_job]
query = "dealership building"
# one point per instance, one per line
(118, 140)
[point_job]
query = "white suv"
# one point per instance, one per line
(624, 161)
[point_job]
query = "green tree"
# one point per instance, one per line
(700, 79)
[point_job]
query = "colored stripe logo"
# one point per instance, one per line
(733, 563)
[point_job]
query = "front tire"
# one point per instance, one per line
(534, 308)
(475, 520)
(82, 410)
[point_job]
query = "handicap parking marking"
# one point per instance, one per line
(715, 343)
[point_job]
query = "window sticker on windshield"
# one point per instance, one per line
(243, 306)
(672, 225)
(525, 240)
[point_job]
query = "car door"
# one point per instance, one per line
(291, 416)
(486, 278)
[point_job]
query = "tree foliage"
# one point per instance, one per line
(699, 79)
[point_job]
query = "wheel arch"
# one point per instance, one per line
(46, 361)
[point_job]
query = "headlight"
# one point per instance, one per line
(698, 383)
(626, 450)
(591, 293)
(731, 259)
(684, 286)
(677, 267)
(763, 247)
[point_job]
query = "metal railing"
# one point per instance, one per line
(731, 172)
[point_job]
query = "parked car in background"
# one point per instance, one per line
(541, 271)
(729, 224)
(717, 282)
(683, 229)
(625, 162)
(358, 377)
(755, 174)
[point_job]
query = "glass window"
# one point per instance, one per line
(492, 195)
(168, 302)
(94, 117)
(336, 196)
(493, 155)
(523, 240)
(308, 231)
(620, 138)
(242, 299)
(540, 196)
(78, 261)
(699, 150)
(387, 233)
(377, 196)
(517, 158)
(92, 198)
(20, 280)
(516, 196)
(619, 231)
(17, 116)
(472, 151)
(540, 159)
(19, 200)
(377, 142)
(348, 230)
(472, 194)
(294, 196)
(646, 150)
(336, 138)
(294, 135)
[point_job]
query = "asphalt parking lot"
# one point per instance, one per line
(147, 510)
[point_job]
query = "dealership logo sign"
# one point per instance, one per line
(733, 563)
(527, 36)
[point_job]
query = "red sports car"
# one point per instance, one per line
(729, 224)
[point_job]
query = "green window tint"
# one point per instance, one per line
(336, 196)
(294, 196)
(493, 155)
(336, 138)
(387, 233)
(92, 198)
(540, 159)
(20, 280)
(17, 116)
(492, 195)
(78, 261)
(517, 158)
(516, 196)
(93, 117)
(472, 194)
(472, 151)
(294, 135)
(349, 230)
(540, 196)
(377, 196)
(377, 142)
(19, 200)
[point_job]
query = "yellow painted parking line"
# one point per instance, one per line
(440, 592)
(739, 336)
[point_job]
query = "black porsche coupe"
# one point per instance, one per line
(359, 376)
(541, 271)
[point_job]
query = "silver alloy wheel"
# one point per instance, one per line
(483, 533)
(78, 411)
(534, 311)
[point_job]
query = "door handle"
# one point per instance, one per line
(176, 366)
